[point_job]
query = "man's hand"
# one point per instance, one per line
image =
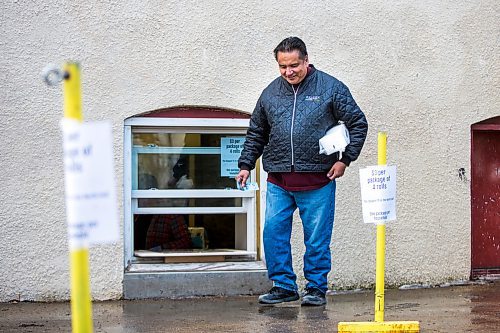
(242, 177)
(336, 171)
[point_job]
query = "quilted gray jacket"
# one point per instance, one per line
(288, 122)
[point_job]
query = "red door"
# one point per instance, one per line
(485, 197)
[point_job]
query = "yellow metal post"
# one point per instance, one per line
(72, 92)
(380, 325)
(380, 254)
(81, 305)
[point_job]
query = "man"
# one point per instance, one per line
(290, 117)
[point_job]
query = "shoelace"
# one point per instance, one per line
(274, 290)
(314, 292)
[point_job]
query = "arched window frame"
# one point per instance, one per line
(246, 229)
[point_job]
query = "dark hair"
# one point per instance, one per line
(291, 44)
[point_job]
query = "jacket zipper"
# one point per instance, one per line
(293, 120)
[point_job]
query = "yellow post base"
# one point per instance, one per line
(81, 303)
(386, 326)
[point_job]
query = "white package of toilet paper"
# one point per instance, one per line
(335, 140)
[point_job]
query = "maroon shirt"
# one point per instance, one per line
(298, 181)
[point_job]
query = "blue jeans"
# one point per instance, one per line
(316, 209)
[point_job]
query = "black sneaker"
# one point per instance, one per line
(278, 295)
(314, 297)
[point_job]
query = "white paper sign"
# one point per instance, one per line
(89, 183)
(230, 151)
(378, 193)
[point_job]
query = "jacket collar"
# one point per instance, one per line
(310, 74)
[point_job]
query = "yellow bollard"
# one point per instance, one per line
(380, 248)
(380, 325)
(81, 305)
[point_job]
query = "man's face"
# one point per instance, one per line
(292, 68)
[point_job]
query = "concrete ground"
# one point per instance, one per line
(464, 308)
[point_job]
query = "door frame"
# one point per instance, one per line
(488, 125)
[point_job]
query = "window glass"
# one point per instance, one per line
(178, 161)
(164, 232)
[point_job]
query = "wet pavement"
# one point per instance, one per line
(467, 308)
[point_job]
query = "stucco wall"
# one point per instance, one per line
(422, 71)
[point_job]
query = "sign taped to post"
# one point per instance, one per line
(90, 191)
(230, 151)
(378, 193)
